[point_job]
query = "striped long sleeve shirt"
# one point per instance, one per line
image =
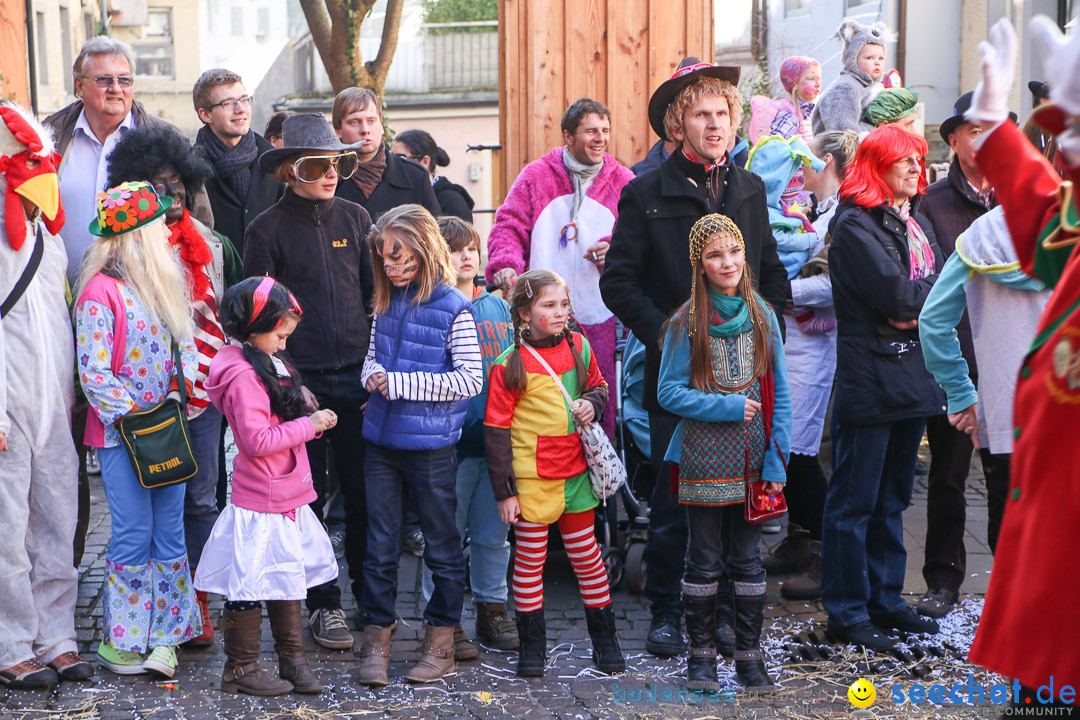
(461, 383)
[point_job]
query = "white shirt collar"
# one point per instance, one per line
(83, 124)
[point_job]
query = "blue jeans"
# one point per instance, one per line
(147, 525)
(200, 499)
(430, 475)
(478, 519)
(863, 559)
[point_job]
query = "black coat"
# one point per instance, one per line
(880, 373)
(453, 199)
(231, 214)
(646, 275)
(403, 182)
(951, 205)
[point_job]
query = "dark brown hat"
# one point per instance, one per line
(688, 72)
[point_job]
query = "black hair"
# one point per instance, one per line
(235, 314)
(578, 110)
(143, 152)
(275, 124)
(420, 143)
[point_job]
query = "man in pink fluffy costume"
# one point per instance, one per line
(567, 201)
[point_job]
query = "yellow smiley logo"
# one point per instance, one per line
(862, 693)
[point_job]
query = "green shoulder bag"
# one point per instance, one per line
(158, 440)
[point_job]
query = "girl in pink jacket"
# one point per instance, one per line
(267, 544)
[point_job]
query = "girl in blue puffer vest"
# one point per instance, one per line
(422, 366)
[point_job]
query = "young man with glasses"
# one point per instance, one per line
(315, 243)
(239, 190)
(383, 180)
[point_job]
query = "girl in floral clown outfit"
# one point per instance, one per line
(131, 307)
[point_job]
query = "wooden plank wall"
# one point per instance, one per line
(551, 52)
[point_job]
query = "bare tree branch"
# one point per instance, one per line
(387, 45)
(318, 21)
(339, 46)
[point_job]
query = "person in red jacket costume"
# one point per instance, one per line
(1029, 628)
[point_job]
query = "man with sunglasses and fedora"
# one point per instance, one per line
(315, 243)
(646, 278)
(239, 190)
(85, 133)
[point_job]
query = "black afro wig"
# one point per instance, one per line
(142, 153)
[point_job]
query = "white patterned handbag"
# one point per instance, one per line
(606, 471)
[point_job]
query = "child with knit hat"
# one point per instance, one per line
(841, 105)
(789, 115)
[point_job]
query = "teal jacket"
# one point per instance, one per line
(677, 396)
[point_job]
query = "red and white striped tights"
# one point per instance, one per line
(579, 538)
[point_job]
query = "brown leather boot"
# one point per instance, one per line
(242, 673)
(494, 628)
(206, 637)
(375, 655)
(288, 631)
(437, 657)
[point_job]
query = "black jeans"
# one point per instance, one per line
(722, 544)
(82, 525)
(946, 505)
(805, 493)
(342, 392)
(665, 550)
(996, 473)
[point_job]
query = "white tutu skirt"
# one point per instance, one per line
(265, 556)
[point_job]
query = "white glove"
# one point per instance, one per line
(1061, 62)
(990, 101)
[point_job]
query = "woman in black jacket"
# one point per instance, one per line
(883, 262)
(419, 146)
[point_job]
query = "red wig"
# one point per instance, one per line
(877, 152)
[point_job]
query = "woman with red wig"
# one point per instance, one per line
(883, 260)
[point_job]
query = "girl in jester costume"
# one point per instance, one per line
(1015, 637)
(537, 464)
(38, 464)
(722, 371)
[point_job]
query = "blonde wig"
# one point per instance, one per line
(414, 228)
(143, 260)
(691, 94)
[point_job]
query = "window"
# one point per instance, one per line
(263, 17)
(796, 8)
(42, 49)
(154, 54)
(65, 41)
(237, 21)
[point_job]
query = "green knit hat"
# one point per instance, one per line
(890, 105)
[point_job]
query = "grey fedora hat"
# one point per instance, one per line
(301, 133)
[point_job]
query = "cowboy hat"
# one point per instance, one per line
(689, 71)
(302, 133)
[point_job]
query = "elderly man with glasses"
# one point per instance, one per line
(85, 133)
(239, 189)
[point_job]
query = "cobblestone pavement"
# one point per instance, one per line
(487, 688)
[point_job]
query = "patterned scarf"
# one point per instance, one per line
(194, 254)
(233, 164)
(581, 175)
(369, 174)
(920, 253)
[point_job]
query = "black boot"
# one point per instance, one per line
(749, 616)
(606, 653)
(725, 620)
(532, 648)
(699, 607)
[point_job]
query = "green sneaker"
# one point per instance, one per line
(121, 662)
(162, 661)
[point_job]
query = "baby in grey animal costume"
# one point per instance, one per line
(841, 105)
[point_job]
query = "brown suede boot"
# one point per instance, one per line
(437, 657)
(206, 637)
(375, 655)
(242, 673)
(288, 632)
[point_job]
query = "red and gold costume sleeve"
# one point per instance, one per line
(498, 448)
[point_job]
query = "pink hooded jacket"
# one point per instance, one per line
(271, 472)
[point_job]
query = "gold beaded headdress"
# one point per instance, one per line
(701, 234)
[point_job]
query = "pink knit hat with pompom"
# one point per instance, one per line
(793, 69)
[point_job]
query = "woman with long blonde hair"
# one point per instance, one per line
(132, 320)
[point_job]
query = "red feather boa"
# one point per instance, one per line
(194, 253)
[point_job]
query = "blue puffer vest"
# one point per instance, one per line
(415, 338)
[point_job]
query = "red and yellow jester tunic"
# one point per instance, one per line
(533, 448)
(1030, 626)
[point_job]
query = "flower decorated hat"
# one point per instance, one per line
(127, 207)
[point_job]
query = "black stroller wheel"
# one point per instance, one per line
(614, 562)
(636, 571)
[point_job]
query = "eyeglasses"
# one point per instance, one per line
(104, 81)
(403, 156)
(230, 104)
(314, 168)
(909, 163)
